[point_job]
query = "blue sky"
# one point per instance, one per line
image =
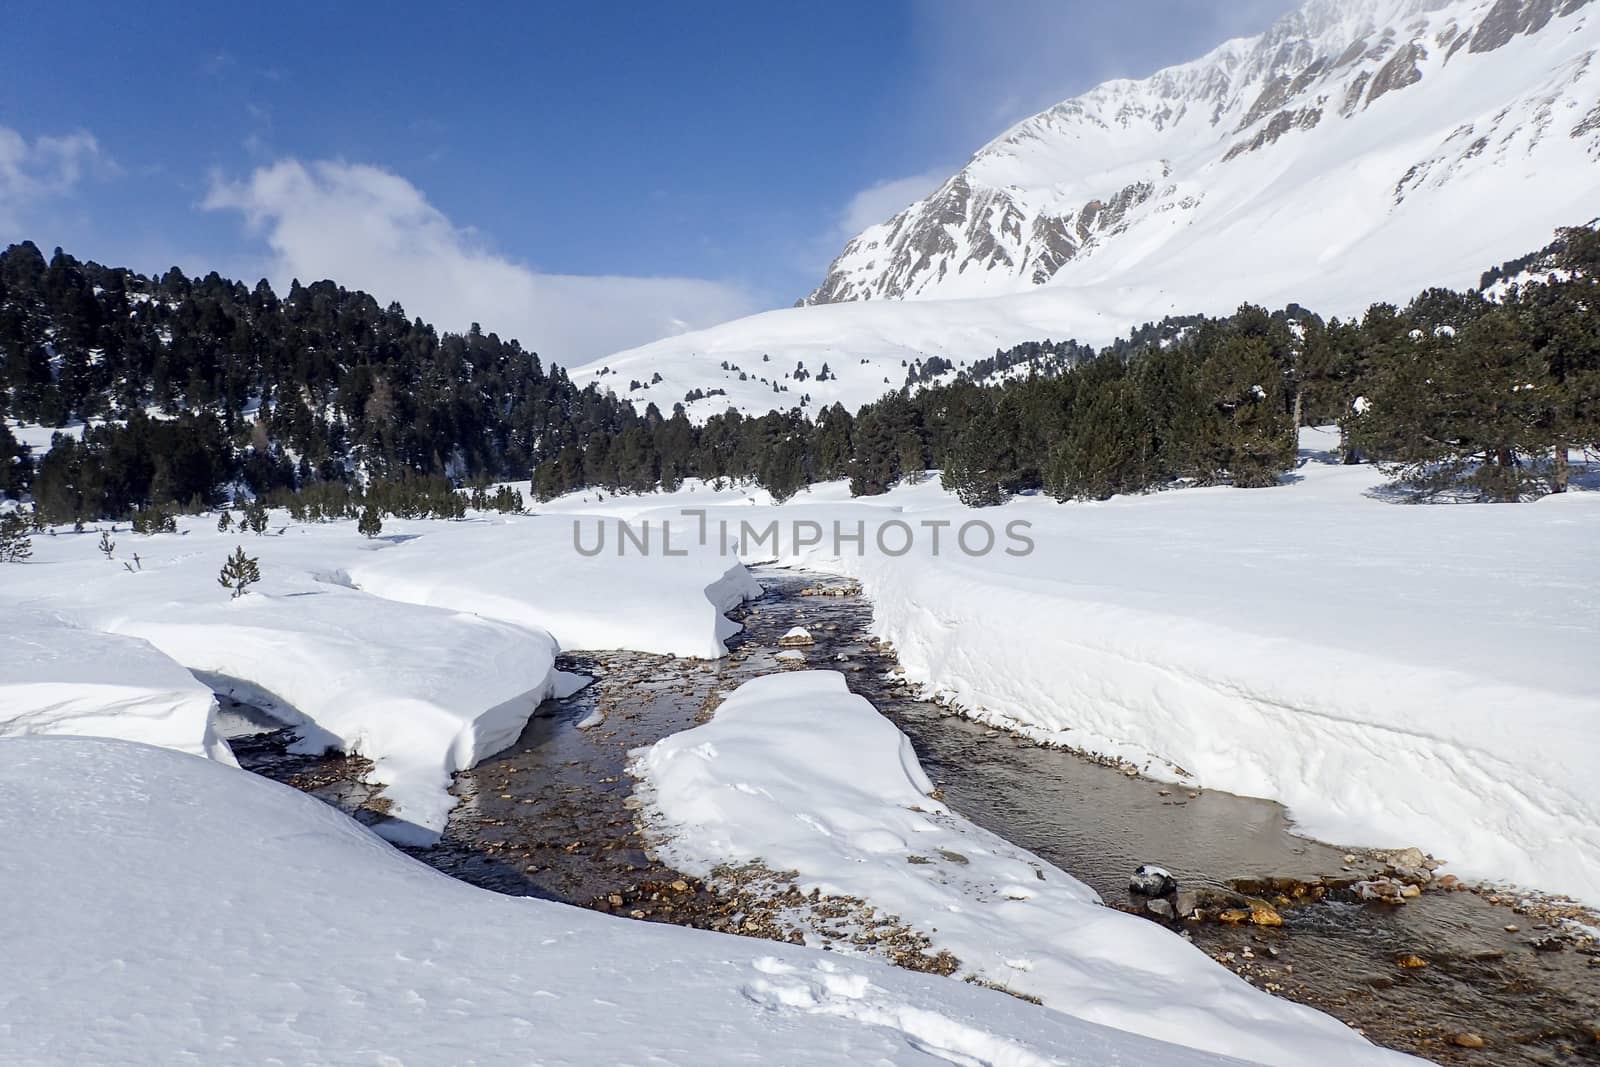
(583, 176)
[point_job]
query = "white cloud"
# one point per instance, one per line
(47, 167)
(882, 201)
(367, 228)
(878, 202)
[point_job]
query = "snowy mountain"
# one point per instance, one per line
(1254, 135)
(1358, 150)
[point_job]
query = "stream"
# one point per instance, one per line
(553, 817)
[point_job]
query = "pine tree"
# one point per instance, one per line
(154, 519)
(1250, 436)
(107, 546)
(225, 521)
(239, 573)
(913, 458)
(254, 517)
(15, 544)
(16, 464)
(783, 469)
(371, 522)
(1563, 321)
(974, 469)
(1108, 450)
(831, 444)
(1463, 411)
(1164, 387)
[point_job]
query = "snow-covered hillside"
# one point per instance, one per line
(1359, 150)
(866, 348)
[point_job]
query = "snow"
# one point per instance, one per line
(798, 772)
(566, 683)
(528, 571)
(39, 438)
(865, 345)
(424, 667)
(1396, 675)
(63, 680)
(1151, 880)
(1334, 217)
(422, 693)
(167, 909)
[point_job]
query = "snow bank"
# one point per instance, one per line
(530, 571)
(167, 909)
(798, 772)
(422, 693)
(62, 680)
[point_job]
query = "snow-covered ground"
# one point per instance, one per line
(1397, 675)
(798, 772)
(165, 909)
(38, 438)
(530, 571)
(60, 679)
(430, 668)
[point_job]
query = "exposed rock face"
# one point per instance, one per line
(1399, 72)
(1069, 183)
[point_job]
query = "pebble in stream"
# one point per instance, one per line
(553, 816)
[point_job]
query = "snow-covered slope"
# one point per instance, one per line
(1359, 150)
(865, 347)
(161, 909)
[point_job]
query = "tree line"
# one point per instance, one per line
(197, 389)
(1453, 394)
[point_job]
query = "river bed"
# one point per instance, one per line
(553, 816)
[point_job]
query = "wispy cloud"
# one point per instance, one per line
(882, 200)
(32, 172)
(371, 229)
(217, 64)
